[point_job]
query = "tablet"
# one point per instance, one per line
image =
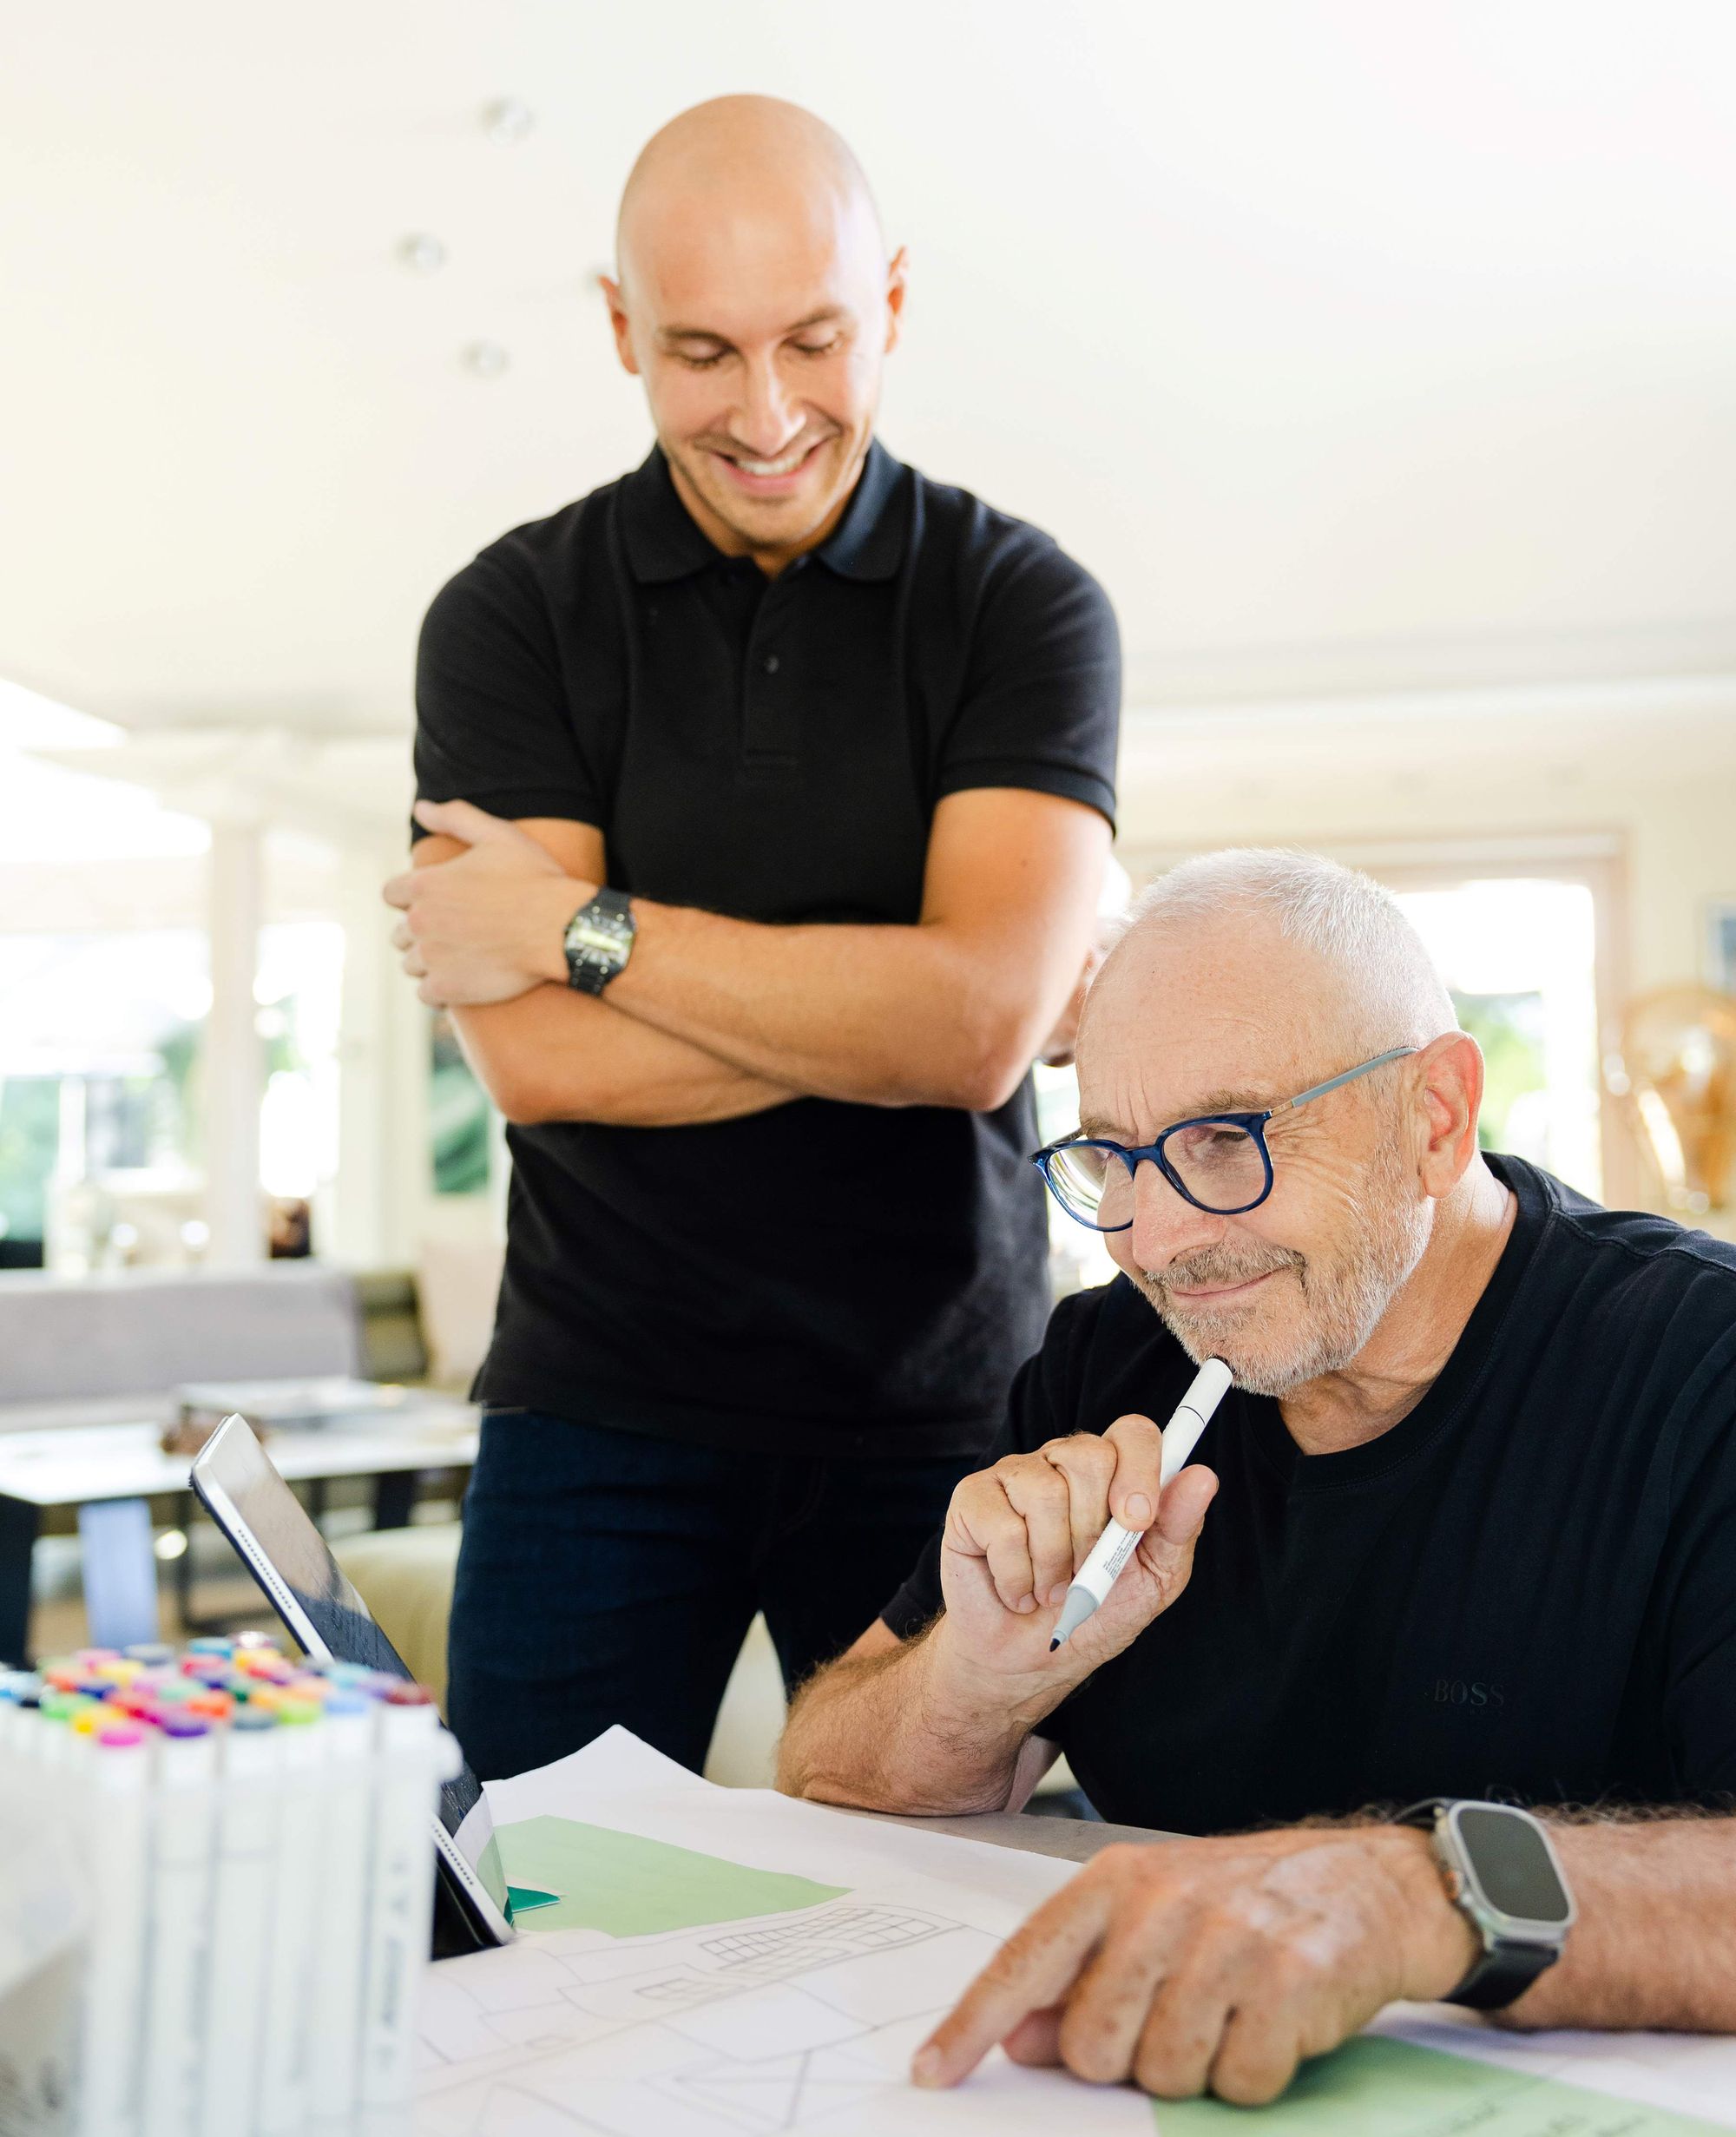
(284, 1552)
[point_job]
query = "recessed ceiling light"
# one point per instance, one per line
(423, 252)
(507, 120)
(485, 359)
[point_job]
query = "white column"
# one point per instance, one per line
(379, 1201)
(233, 1067)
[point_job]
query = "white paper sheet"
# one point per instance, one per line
(804, 2016)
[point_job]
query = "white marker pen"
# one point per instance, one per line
(1112, 1550)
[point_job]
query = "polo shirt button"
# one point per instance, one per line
(771, 663)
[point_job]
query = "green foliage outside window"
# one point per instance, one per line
(29, 1142)
(1509, 1029)
(457, 1117)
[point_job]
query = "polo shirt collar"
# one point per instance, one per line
(868, 543)
(663, 542)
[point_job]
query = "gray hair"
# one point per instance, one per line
(1392, 993)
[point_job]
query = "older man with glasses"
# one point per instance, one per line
(1461, 1539)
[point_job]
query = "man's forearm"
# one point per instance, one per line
(950, 1010)
(906, 1730)
(881, 1016)
(1655, 1941)
(552, 1054)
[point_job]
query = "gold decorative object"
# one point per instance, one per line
(1677, 1074)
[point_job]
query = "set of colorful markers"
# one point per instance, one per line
(255, 1833)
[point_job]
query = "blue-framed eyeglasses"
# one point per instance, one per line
(1218, 1162)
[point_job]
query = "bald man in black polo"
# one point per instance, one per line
(766, 798)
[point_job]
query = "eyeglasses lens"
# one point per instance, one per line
(1090, 1183)
(1218, 1164)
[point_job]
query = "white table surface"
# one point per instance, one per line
(1070, 1839)
(72, 1465)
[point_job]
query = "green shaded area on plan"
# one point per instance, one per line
(489, 1870)
(1378, 2086)
(627, 1886)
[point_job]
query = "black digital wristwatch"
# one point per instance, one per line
(1503, 1873)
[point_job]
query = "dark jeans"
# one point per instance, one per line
(604, 1577)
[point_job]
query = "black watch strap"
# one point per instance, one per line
(1501, 1976)
(1505, 1969)
(599, 940)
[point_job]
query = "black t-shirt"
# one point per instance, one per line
(822, 1277)
(1525, 1590)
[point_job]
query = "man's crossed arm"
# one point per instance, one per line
(1217, 1964)
(715, 1018)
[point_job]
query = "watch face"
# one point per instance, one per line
(1512, 1863)
(593, 935)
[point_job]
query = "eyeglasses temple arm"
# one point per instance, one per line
(1350, 1076)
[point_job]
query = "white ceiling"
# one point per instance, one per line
(1357, 347)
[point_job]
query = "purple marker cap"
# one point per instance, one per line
(181, 1725)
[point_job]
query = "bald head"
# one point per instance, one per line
(756, 157)
(756, 301)
(1327, 945)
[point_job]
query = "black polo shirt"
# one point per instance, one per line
(1525, 1590)
(820, 1277)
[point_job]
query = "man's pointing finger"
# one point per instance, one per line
(1031, 1972)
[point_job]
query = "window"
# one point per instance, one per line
(1519, 956)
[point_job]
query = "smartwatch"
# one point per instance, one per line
(599, 940)
(1503, 1874)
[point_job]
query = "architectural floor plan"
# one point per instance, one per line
(722, 1962)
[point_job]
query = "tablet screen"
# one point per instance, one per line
(290, 1559)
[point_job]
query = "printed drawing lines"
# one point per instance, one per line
(745, 2030)
(784, 2092)
(850, 1929)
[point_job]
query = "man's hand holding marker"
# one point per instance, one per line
(1083, 1542)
